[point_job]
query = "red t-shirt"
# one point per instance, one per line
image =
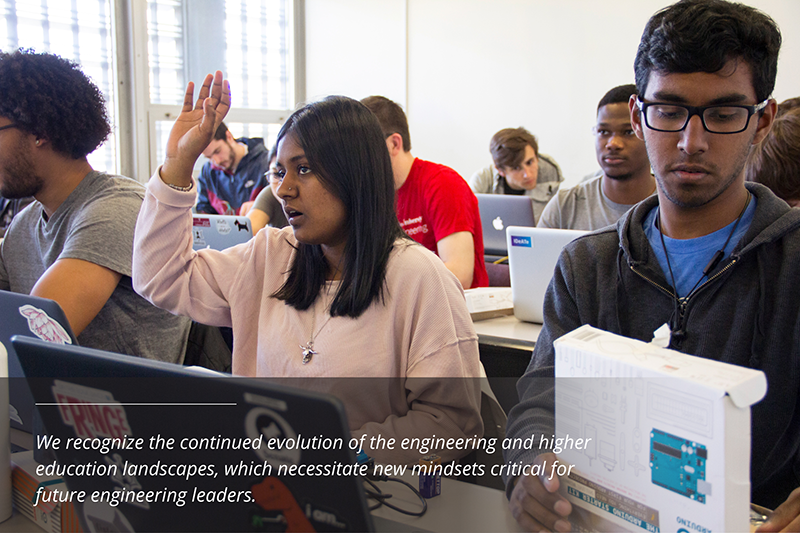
(435, 202)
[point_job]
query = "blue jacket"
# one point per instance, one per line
(223, 193)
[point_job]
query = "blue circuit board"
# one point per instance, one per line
(677, 464)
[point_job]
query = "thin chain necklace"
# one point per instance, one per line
(308, 349)
(718, 255)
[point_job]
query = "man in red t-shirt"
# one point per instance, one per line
(435, 206)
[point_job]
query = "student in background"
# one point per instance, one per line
(518, 169)
(711, 256)
(267, 209)
(788, 104)
(352, 296)
(74, 243)
(776, 161)
(234, 175)
(625, 180)
(435, 206)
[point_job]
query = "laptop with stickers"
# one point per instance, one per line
(498, 211)
(532, 257)
(219, 231)
(159, 447)
(22, 314)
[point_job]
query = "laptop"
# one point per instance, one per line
(22, 314)
(532, 257)
(84, 393)
(219, 231)
(498, 211)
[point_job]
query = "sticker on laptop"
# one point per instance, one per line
(521, 241)
(198, 239)
(223, 227)
(44, 327)
(91, 412)
(279, 441)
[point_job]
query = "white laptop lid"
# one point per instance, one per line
(498, 211)
(219, 231)
(532, 257)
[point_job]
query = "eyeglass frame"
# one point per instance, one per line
(699, 110)
(269, 175)
(8, 126)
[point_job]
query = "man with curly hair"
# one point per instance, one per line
(74, 243)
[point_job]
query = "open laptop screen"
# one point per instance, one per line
(193, 452)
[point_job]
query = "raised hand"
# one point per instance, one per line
(195, 127)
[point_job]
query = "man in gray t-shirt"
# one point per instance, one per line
(625, 180)
(74, 243)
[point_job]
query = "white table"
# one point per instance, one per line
(509, 329)
(460, 507)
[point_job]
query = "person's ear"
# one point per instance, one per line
(394, 143)
(229, 137)
(636, 117)
(764, 123)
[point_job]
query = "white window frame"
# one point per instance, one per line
(137, 117)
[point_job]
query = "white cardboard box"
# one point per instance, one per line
(670, 448)
(489, 302)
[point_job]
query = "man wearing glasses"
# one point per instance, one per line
(74, 243)
(713, 259)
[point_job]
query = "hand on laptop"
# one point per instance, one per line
(194, 128)
(535, 502)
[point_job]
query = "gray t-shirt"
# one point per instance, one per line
(95, 224)
(266, 202)
(583, 206)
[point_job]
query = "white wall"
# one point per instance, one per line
(464, 69)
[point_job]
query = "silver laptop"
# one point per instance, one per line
(532, 257)
(498, 211)
(22, 314)
(219, 231)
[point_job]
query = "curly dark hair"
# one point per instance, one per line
(50, 97)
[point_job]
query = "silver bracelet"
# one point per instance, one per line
(178, 188)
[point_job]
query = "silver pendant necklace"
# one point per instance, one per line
(308, 349)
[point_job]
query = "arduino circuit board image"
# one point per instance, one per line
(679, 465)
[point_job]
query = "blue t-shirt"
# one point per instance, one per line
(689, 257)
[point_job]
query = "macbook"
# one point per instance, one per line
(498, 211)
(532, 257)
(219, 231)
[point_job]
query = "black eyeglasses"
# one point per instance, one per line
(724, 119)
(7, 126)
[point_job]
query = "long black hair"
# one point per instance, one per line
(344, 144)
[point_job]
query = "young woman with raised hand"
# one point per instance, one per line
(340, 293)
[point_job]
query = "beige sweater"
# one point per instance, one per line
(420, 334)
